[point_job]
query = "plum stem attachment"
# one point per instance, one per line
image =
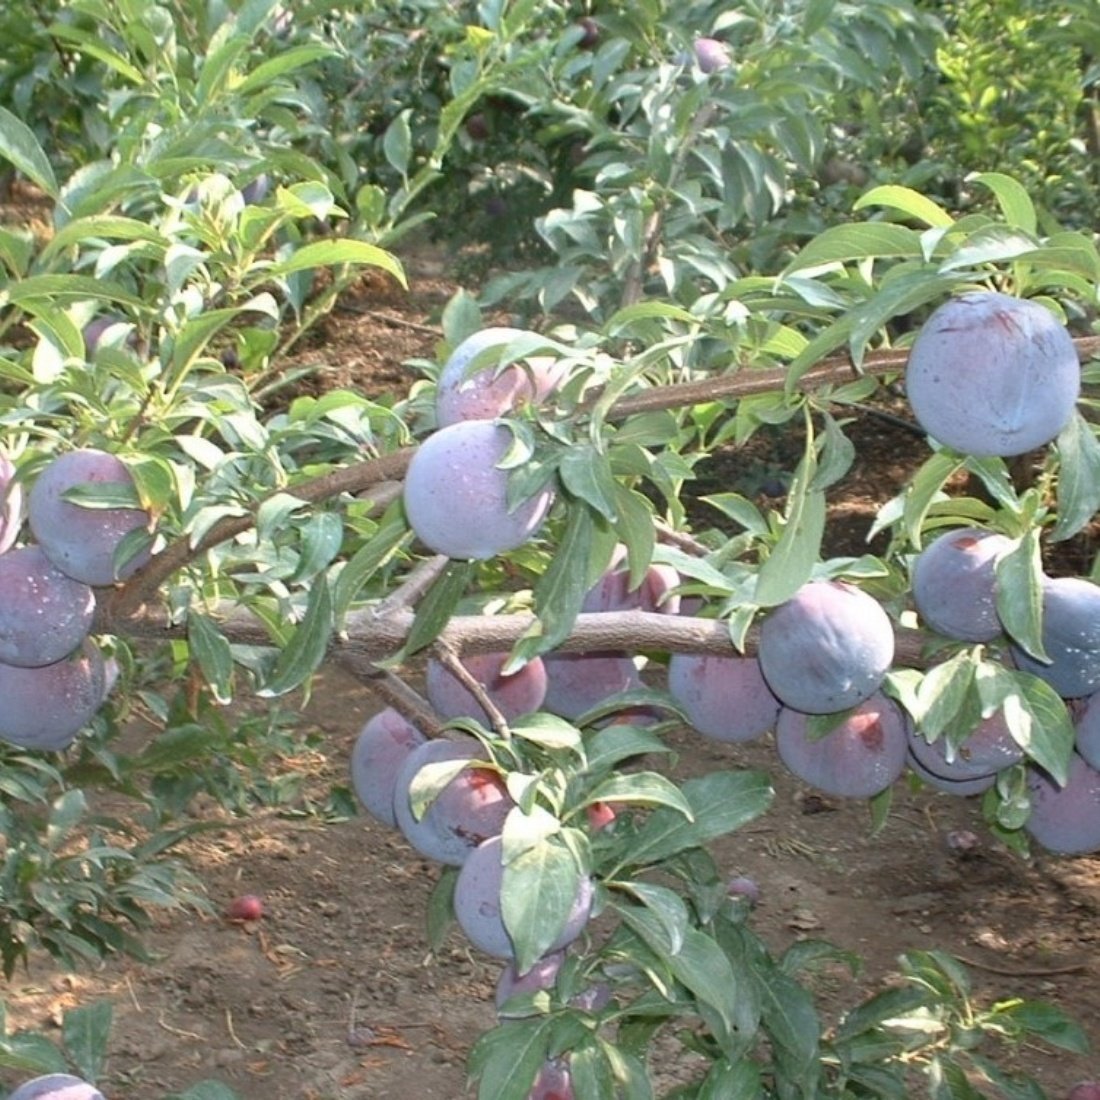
(448, 657)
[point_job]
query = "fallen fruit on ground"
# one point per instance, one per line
(56, 1086)
(247, 907)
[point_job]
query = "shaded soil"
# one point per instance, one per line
(334, 994)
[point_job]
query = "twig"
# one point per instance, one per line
(1024, 971)
(419, 579)
(448, 658)
(229, 1028)
(389, 319)
(394, 692)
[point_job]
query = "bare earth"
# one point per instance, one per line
(334, 994)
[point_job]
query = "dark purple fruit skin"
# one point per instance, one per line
(590, 33)
(44, 615)
(477, 903)
(11, 504)
(711, 55)
(1087, 725)
(988, 748)
(612, 591)
(45, 708)
(518, 693)
(489, 393)
(989, 374)
(827, 648)
(553, 1082)
(56, 1086)
(80, 541)
(724, 698)
(1065, 820)
(456, 499)
(959, 788)
(257, 190)
(477, 126)
(863, 756)
(1071, 638)
(577, 682)
(470, 809)
(955, 583)
(541, 976)
(1085, 1090)
(380, 749)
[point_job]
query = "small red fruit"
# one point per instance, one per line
(248, 907)
(600, 815)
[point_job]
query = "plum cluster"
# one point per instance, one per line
(457, 487)
(53, 677)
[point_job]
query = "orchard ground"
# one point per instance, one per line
(334, 993)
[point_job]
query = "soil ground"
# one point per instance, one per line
(334, 994)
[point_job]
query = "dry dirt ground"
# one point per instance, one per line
(334, 994)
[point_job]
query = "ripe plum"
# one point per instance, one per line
(1071, 637)
(989, 374)
(864, 755)
(517, 693)
(827, 648)
(469, 809)
(82, 541)
(380, 749)
(44, 614)
(456, 498)
(724, 698)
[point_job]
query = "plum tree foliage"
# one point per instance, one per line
(521, 513)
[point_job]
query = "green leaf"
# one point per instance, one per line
(307, 646)
(441, 907)
(942, 692)
(991, 244)
(722, 802)
(1013, 199)
(844, 243)
(1049, 1023)
(667, 908)
(643, 789)
(737, 1081)
(790, 564)
(1040, 724)
(560, 591)
(547, 730)
(285, 61)
(212, 653)
(85, 1032)
(437, 606)
(330, 253)
(1078, 484)
(539, 890)
(19, 146)
(391, 535)
(924, 488)
(397, 143)
(586, 474)
(612, 745)
(506, 1059)
(906, 201)
(1019, 594)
